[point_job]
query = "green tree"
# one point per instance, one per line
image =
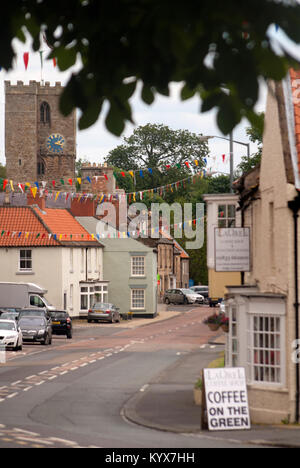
(255, 134)
(160, 153)
(218, 51)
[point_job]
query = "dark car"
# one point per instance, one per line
(104, 311)
(31, 312)
(61, 323)
(36, 329)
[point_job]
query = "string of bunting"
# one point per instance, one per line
(41, 189)
(30, 235)
(23, 186)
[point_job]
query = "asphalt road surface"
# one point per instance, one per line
(72, 393)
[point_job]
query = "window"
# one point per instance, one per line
(86, 297)
(101, 293)
(265, 348)
(71, 260)
(138, 299)
(226, 216)
(36, 301)
(45, 112)
(89, 294)
(138, 266)
(41, 167)
(233, 335)
(25, 260)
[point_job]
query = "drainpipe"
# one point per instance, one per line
(294, 206)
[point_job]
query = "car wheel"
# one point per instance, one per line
(167, 301)
(46, 341)
(69, 335)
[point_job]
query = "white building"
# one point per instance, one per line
(50, 248)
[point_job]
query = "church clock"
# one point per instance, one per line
(55, 143)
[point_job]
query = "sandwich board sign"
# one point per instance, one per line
(226, 399)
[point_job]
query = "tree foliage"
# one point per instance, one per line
(255, 135)
(218, 51)
(161, 153)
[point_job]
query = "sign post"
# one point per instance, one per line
(226, 399)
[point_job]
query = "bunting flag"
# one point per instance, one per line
(26, 59)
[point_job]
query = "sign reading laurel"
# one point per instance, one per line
(232, 249)
(226, 399)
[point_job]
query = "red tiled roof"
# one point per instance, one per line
(20, 227)
(64, 226)
(295, 81)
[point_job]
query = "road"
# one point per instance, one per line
(72, 393)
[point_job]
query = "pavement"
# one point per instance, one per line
(167, 402)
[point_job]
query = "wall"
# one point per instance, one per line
(272, 260)
(117, 270)
(26, 135)
(47, 270)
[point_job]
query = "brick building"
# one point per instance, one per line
(40, 143)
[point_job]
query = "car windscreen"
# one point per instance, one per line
(32, 322)
(101, 305)
(33, 312)
(57, 314)
(7, 326)
(188, 291)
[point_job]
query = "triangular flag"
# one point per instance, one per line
(33, 191)
(26, 59)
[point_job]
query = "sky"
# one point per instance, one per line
(95, 142)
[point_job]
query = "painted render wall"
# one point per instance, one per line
(272, 261)
(117, 270)
(53, 271)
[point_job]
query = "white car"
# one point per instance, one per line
(193, 297)
(10, 335)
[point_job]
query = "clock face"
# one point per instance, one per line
(55, 143)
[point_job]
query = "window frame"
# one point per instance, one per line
(132, 299)
(139, 267)
(226, 221)
(25, 259)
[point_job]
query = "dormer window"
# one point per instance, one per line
(45, 113)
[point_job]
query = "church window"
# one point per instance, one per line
(45, 113)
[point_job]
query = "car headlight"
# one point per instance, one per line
(41, 332)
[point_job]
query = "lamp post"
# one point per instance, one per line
(231, 142)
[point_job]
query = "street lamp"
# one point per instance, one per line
(231, 141)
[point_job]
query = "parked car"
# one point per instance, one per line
(9, 314)
(36, 329)
(61, 323)
(104, 311)
(35, 313)
(10, 335)
(203, 290)
(182, 296)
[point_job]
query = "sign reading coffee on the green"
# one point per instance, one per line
(226, 399)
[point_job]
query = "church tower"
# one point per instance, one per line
(40, 143)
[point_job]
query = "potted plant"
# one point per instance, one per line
(225, 323)
(213, 322)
